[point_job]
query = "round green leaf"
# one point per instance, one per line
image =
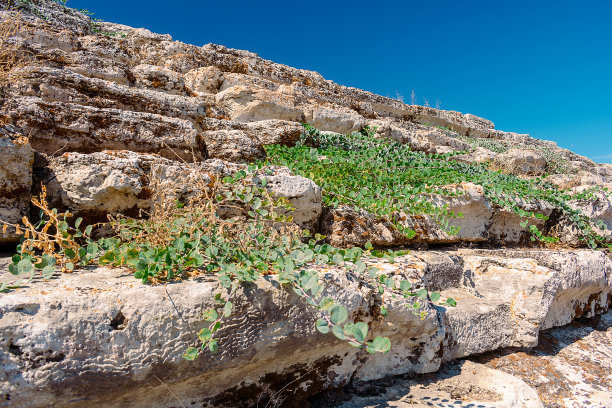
(213, 346)
(24, 266)
(322, 326)
(338, 314)
(339, 332)
(210, 315)
(190, 354)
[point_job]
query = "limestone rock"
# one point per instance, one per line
(79, 340)
(478, 155)
(204, 80)
(521, 162)
(16, 159)
(339, 120)
(153, 77)
(59, 126)
(569, 368)
(465, 383)
(247, 105)
(480, 121)
(109, 346)
(233, 145)
(482, 221)
(124, 182)
(303, 194)
(109, 182)
(508, 301)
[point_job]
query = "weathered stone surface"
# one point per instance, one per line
(106, 348)
(505, 307)
(521, 161)
(303, 194)
(418, 137)
(56, 85)
(154, 77)
(100, 336)
(569, 368)
(482, 221)
(125, 182)
(16, 159)
(57, 127)
(464, 384)
(478, 155)
(109, 182)
(204, 80)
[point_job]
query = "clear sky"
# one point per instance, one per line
(537, 67)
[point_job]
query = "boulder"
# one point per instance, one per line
(521, 162)
(16, 159)
(482, 221)
(57, 127)
(203, 80)
(461, 384)
(570, 366)
(154, 77)
(101, 183)
(477, 155)
(245, 104)
(124, 182)
(304, 196)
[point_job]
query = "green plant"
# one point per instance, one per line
(96, 27)
(232, 229)
(380, 176)
(387, 179)
(48, 244)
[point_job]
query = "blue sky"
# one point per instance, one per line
(537, 67)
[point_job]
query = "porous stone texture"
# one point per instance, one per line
(303, 195)
(16, 159)
(108, 182)
(123, 182)
(101, 337)
(521, 161)
(570, 368)
(464, 384)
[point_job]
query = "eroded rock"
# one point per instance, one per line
(16, 159)
(81, 340)
(521, 161)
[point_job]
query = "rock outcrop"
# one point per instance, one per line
(100, 337)
(111, 118)
(133, 90)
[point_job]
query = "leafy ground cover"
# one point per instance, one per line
(232, 229)
(387, 179)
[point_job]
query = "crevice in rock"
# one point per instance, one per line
(15, 349)
(119, 322)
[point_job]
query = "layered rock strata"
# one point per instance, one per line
(100, 337)
(110, 117)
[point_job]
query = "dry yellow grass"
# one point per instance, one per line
(12, 60)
